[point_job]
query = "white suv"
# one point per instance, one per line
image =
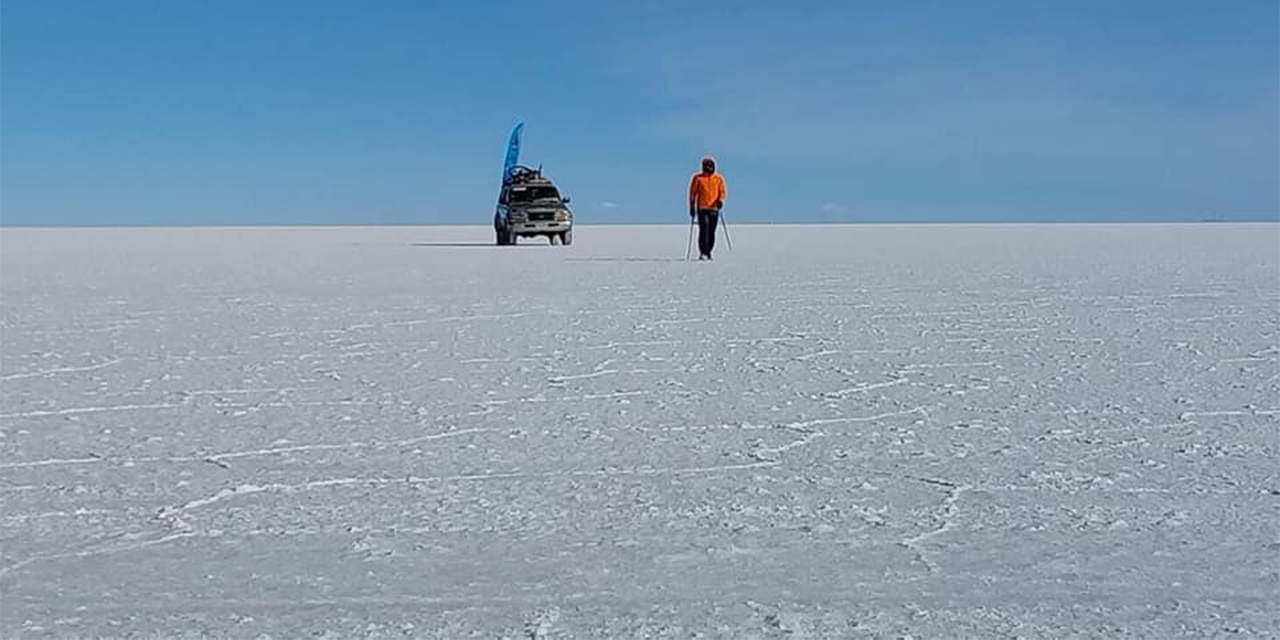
(530, 205)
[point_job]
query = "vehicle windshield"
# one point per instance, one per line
(529, 194)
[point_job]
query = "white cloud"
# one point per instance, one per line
(835, 208)
(608, 204)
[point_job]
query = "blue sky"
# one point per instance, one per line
(318, 112)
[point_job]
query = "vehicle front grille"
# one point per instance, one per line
(542, 216)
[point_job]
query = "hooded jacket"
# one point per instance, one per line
(705, 189)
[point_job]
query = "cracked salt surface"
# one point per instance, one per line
(883, 431)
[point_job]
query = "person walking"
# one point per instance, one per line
(706, 198)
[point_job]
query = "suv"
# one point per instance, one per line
(530, 205)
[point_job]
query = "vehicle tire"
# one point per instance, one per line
(566, 238)
(553, 239)
(501, 237)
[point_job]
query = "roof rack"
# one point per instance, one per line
(521, 173)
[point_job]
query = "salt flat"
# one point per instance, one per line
(862, 431)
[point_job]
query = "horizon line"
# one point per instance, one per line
(749, 223)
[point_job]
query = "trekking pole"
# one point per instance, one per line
(688, 253)
(725, 223)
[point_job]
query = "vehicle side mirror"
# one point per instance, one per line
(566, 199)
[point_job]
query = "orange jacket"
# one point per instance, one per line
(705, 189)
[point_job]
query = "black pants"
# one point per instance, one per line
(708, 219)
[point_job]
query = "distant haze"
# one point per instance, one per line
(129, 113)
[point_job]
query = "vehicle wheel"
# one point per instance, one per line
(501, 237)
(553, 239)
(566, 238)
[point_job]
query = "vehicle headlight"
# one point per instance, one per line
(562, 216)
